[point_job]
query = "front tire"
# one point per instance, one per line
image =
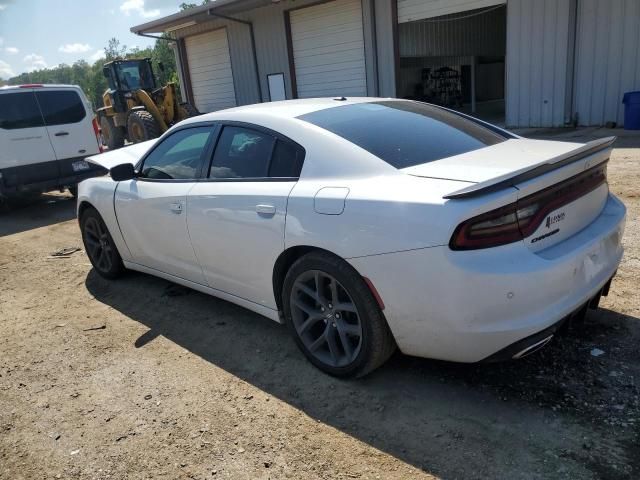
(333, 316)
(99, 245)
(141, 126)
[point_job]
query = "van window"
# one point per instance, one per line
(60, 107)
(19, 110)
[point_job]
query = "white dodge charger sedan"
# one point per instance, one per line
(366, 224)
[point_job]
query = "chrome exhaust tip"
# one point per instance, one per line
(533, 348)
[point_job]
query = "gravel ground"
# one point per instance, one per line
(140, 378)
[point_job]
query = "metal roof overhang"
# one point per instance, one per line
(198, 14)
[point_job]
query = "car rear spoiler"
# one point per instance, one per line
(519, 176)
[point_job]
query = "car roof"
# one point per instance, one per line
(288, 109)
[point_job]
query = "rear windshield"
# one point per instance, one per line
(404, 133)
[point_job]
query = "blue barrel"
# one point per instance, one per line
(631, 102)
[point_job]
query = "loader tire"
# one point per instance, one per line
(189, 110)
(112, 136)
(141, 126)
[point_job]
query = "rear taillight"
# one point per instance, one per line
(518, 220)
(98, 134)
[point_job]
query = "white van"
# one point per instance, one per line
(46, 132)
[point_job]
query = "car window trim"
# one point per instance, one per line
(207, 151)
(252, 126)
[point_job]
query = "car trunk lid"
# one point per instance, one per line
(561, 186)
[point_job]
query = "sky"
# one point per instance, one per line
(36, 34)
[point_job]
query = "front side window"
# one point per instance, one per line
(19, 110)
(61, 107)
(179, 156)
(404, 133)
(242, 153)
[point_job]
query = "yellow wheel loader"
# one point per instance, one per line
(135, 108)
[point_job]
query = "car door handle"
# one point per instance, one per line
(176, 208)
(266, 209)
(61, 134)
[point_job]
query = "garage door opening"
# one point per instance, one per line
(456, 60)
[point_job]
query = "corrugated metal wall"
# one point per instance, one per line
(607, 59)
(539, 38)
(271, 47)
(386, 75)
(244, 73)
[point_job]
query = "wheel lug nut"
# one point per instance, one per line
(330, 306)
(337, 315)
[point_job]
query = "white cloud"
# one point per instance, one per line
(34, 62)
(11, 50)
(97, 55)
(3, 6)
(74, 48)
(137, 6)
(1, 41)
(5, 70)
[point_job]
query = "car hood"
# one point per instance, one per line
(493, 161)
(130, 154)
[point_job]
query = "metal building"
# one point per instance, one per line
(521, 63)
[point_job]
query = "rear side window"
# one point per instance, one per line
(286, 161)
(242, 153)
(60, 107)
(403, 133)
(19, 110)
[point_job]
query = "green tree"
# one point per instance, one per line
(115, 49)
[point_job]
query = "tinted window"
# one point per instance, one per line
(403, 133)
(286, 161)
(242, 153)
(179, 156)
(60, 107)
(19, 110)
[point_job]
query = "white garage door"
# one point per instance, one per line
(411, 10)
(328, 49)
(210, 71)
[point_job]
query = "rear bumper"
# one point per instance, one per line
(466, 306)
(535, 342)
(44, 176)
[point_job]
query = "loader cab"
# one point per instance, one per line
(130, 75)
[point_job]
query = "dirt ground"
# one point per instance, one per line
(140, 378)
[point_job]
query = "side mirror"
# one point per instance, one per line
(106, 72)
(122, 172)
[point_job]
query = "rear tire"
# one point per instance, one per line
(141, 126)
(112, 136)
(333, 316)
(99, 245)
(189, 110)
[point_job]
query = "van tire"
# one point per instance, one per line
(112, 136)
